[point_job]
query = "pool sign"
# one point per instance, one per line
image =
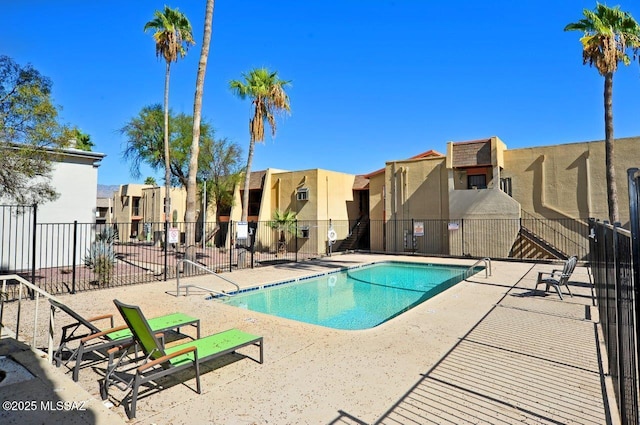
(242, 231)
(174, 235)
(418, 228)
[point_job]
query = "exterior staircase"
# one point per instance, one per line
(542, 245)
(547, 238)
(357, 232)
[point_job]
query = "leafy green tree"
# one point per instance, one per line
(150, 180)
(218, 160)
(30, 134)
(267, 94)
(145, 140)
(609, 35)
(190, 211)
(172, 36)
(222, 170)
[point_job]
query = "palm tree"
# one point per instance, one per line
(190, 213)
(268, 97)
(173, 36)
(608, 34)
(284, 221)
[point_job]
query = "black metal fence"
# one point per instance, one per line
(524, 238)
(615, 261)
(54, 256)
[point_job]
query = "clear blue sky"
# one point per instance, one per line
(372, 81)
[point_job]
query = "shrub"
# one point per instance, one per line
(101, 257)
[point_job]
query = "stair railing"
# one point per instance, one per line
(556, 238)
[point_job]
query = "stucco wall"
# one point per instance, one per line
(569, 181)
(77, 183)
(330, 196)
(416, 189)
(475, 207)
(75, 178)
(482, 203)
(411, 189)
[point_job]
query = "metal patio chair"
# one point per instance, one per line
(161, 361)
(93, 340)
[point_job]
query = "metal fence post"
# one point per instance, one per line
(73, 261)
(462, 236)
(296, 244)
(633, 178)
(633, 175)
(252, 240)
(166, 245)
(34, 239)
(231, 244)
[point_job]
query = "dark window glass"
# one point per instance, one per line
(478, 181)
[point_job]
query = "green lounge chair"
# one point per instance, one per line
(94, 340)
(557, 278)
(160, 361)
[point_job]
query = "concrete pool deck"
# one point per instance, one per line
(488, 350)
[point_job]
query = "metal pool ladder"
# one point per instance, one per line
(200, 266)
(487, 268)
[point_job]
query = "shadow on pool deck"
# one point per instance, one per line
(534, 361)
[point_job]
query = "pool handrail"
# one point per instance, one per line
(487, 268)
(200, 266)
(24, 287)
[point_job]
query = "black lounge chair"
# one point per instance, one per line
(92, 339)
(160, 361)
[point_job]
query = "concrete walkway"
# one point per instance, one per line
(488, 350)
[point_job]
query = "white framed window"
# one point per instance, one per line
(304, 231)
(303, 194)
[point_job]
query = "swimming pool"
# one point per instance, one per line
(356, 298)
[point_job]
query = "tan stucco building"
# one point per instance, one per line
(321, 200)
(133, 205)
(483, 179)
(429, 203)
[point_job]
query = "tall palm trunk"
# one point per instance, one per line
(190, 214)
(167, 161)
(612, 191)
(247, 177)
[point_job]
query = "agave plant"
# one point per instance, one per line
(101, 257)
(108, 235)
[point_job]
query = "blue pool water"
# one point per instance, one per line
(357, 298)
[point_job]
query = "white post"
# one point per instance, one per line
(35, 320)
(204, 217)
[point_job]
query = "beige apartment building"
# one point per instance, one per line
(483, 179)
(138, 210)
(321, 199)
(475, 180)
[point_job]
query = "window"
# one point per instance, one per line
(303, 194)
(478, 181)
(304, 231)
(505, 185)
(255, 199)
(135, 209)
